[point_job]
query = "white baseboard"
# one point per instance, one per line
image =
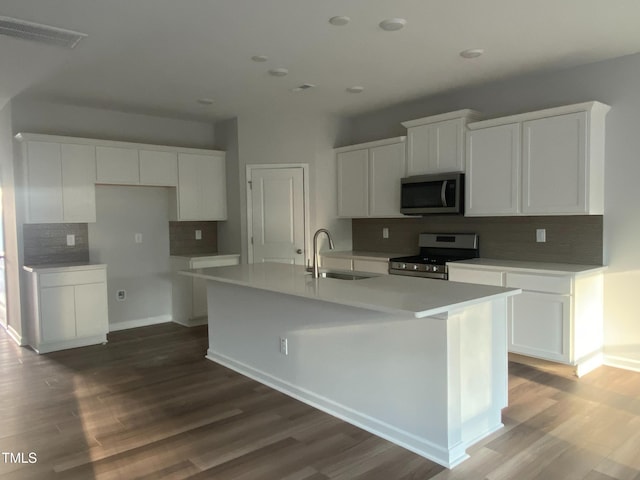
(15, 335)
(448, 457)
(139, 322)
(192, 322)
(622, 362)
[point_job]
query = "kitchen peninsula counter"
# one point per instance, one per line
(419, 362)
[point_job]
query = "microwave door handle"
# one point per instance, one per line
(443, 193)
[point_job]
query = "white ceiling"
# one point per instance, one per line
(159, 56)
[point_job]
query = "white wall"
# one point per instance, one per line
(277, 137)
(141, 269)
(11, 233)
(614, 82)
(59, 119)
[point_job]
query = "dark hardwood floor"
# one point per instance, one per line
(149, 405)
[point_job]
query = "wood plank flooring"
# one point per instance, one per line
(148, 405)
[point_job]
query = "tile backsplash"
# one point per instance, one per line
(570, 239)
(182, 238)
(46, 243)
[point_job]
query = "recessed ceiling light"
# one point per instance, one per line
(278, 72)
(259, 58)
(205, 101)
(339, 21)
(393, 24)
(355, 89)
(472, 53)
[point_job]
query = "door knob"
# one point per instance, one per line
(299, 251)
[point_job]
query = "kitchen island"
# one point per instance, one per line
(422, 363)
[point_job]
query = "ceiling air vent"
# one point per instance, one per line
(60, 37)
(304, 86)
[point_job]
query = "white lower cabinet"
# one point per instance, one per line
(357, 262)
(189, 294)
(558, 316)
(67, 308)
(539, 325)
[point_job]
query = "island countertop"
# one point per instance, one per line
(420, 297)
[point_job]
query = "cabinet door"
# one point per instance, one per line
(554, 165)
(78, 183)
(493, 171)
(353, 183)
(199, 297)
(57, 313)
(44, 183)
(337, 263)
(91, 309)
(436, 148)
(158, 168)
(539, 325)
(483, 277)
(117, 165)
(213, 188)
(201, 187)
(386, 168)
(418, 149)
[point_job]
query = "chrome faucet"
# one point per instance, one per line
(315, 249)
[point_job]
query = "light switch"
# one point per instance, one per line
(198, 234)
(138, 238)
(541, 235)
(71, 240)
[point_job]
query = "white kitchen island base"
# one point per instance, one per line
(434, 385)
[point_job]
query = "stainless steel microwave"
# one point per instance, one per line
(427, 194)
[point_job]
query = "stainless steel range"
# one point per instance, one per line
(436, 249)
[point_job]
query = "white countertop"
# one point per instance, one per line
(63, 267)
(361, 254)
(531, 267)
(420, 297)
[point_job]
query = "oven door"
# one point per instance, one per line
(426, 194)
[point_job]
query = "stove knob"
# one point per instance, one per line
(403, 266)
(434, 268)
(415, 267)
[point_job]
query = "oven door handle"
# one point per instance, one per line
(443, 193)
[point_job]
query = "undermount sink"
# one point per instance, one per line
(344, 276)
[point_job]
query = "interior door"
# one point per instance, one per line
(277, 213)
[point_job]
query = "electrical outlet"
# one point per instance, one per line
(138, 238)
(541, 235)
(198, 234)
(121, 295)
(385, 232)
(284, 346)
(71, 240)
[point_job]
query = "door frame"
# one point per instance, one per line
(305, 196)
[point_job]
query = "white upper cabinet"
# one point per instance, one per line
(158, 168)
(353, 183)
(202, 193)
(59, 182)
(60, 174)
(386, 168)
(369, 178)
(78, 183)
(493, 171)
(551, 160)
(117, 165)
(554, 165)
(436, 144)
